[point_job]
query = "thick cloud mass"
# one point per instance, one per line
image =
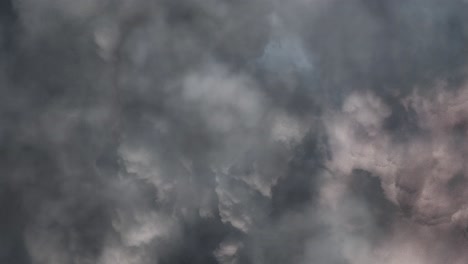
(233, 132)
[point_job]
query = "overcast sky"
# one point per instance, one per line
(233, 132)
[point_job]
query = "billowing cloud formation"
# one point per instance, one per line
(232, 132)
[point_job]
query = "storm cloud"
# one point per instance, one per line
(233, 132)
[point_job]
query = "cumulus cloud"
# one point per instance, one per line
(420, 175)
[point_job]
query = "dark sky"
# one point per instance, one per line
(233, 132)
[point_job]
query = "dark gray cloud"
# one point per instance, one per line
(202, 131)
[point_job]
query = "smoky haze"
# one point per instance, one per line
(233, 132)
